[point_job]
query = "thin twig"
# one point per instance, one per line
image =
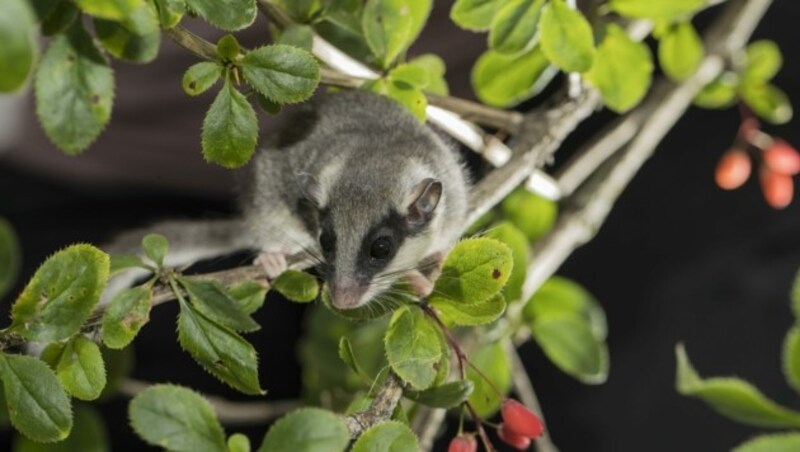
(228, 412)
(524, 388)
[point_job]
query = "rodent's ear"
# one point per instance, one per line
(311, 189)
(424, 200)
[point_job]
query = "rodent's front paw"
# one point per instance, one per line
(274, 263)
(419, 283)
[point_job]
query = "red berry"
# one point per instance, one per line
(733, 169)
(778, 188)
(782, 157)
(521, 420)
(463, 443)
(511, 438)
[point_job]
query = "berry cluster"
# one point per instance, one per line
(778, 161)
(519, 427)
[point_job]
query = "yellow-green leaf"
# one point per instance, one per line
(567, 38)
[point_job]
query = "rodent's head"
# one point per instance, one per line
(373, 230)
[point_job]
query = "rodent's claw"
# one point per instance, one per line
(274, 263)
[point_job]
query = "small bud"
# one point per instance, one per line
(463, 443)
(733, 169)
(521, 420)
(778, 188)
(511, 438)
(782, 157)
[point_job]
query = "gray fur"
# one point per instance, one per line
(355, 154)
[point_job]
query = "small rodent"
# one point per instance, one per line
(355, 183)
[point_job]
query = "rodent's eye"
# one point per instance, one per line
(326, 242)
(381, 248)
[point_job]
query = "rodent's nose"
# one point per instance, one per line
(346, 296)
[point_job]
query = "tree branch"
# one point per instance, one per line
(228, 412)
(591, 204)
(380, 409)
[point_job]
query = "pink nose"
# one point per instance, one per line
(346, 296)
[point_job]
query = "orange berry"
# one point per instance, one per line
(512, 438)
(782, 157)
(521, 420)
(778, 188)
(733, 169)
(463, 443)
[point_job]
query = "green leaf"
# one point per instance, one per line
(791, 358)
(493, 362)
(471, 314)
(657, 10)
(562, 296)
(37, 404)
(413, 346)
(71, 282)
(795, 296)
(228, 48)
(435, 67)
(88, 434)
(297, 286)
(764, 60)
(409, 74)
(505, 81)
(177, 419)
(170, 12)
(19, 49)
(10, 257)
(720, 93)
(303, 11)
(222, 352)
(475, 270)
(570, 344)
(80, 369)
(249, 295)
(387, 28)
(475, 15)
(301, 36)
(515, 27)
(238, 443)
(125, 315)
(109, 9)
(60, 19)
(680, 51)
(623, 70)
(211, 299)
(448, 395)
(776, 442)
(155, 247)
(518, 243)
(43, 8)
(201, 76)
(413, 99)
(229, 15)
(135, 39)
(269, 106)
(119, 365)
(230, 129)
(733, 398)
(391, 436)
(74, 91)
(122, 262)
(282, 73)
(348, 357)
(531, 214)
(307, 430)
(768, 102)
(567, 38)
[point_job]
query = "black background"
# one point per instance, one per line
(677, 260)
